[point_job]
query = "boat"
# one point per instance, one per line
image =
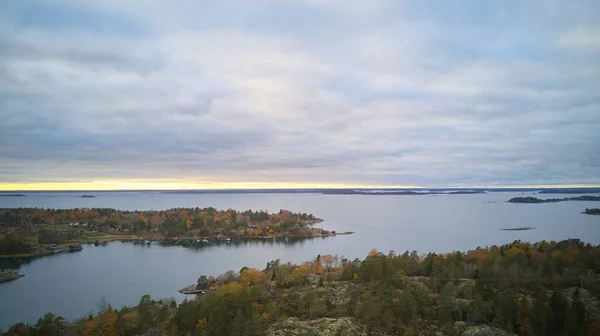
(205, 241)
(96, 243)
(75, 248)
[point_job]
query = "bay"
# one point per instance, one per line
(73, 284)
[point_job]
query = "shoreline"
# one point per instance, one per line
(10, 275)
(130, 238)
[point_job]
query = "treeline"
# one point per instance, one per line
(592, 211)
(546, 288)
(530, 199)
(206, 221)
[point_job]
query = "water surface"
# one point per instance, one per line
(73, 284)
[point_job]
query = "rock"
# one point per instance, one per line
(591, 303)
(323, 326)
(484, 330)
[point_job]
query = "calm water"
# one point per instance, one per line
(73, 284)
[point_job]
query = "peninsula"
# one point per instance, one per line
(28, 232)
(9, 275)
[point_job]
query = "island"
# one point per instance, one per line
(592, 211)
(30, 232)
(525, 228)
(517, 288)
(570, 191)
(86, 196)
(9, 275)
(530, 199)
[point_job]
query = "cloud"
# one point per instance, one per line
(353, 92)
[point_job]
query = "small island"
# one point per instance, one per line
(530, 199)
(526, 228)
(31, 232)
(87, 196)
(12, 195)
(9, 275)
(592, 211)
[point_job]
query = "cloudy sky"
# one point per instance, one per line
(299, 93)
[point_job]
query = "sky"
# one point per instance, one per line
(175, 94)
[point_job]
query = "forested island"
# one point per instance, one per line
(26, 232)
(546, 288)
(530, 199)
(592, 211)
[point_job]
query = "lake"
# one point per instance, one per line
(73, 284)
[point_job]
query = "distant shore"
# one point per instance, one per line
(418, 190)
(552, 200)
(402, 193)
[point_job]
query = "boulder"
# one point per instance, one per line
(323, 326)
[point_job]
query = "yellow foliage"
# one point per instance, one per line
(481, 255)
(230, 288)
(317, 267)
(515, 251)
(355, 276)
(201, 326)
(572, 253)
(103, 325)
(301, 271)
(250, 276)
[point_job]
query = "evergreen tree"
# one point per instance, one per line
(447, 302)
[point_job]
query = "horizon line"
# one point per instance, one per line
(243, 186)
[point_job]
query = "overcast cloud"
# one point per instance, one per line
(431, 93)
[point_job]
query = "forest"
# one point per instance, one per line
(25, 230)
(544, 288)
